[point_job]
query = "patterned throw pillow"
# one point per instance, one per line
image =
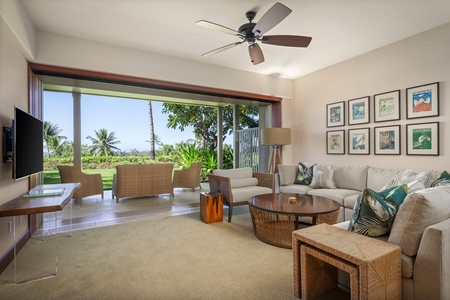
(304, 174)
(323, 177)
(426, 178)
(443, 180)
(374, 212)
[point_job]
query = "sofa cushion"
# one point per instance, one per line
(353, 178)
(238, 173)
(323, 177)
(287, 174)
(243, 194)
(419, 210)
(443, 180)
(295, 189)
(378, 177)
(243, 182)
(349, 202)
(337, 195)
(304, 174)
(374, 212)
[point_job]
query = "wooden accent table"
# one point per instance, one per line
(211, 207)
(34, 205)
(274, 217)
(319, 251)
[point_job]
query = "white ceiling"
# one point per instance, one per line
(340, 29)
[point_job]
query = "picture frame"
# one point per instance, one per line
(359, 111)
(336, 142)
(336, 114)
(422, 139)
(386, 106)
(387, 140)
(359, 141)
(422, 101)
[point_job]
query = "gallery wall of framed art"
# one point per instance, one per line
(422, 138)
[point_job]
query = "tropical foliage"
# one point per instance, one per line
(54, 142)
(103, 143)
(204, 120)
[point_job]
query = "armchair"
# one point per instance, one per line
(91, 184)
(188, 178)
(237, 186)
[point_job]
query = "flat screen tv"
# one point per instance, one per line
(28, 145)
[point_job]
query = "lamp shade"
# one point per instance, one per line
(276, 136)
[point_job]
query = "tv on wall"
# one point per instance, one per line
(28, 145)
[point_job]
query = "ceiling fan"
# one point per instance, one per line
(253, 32)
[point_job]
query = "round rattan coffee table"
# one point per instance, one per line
(275, 216)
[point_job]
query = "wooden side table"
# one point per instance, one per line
(319, 251)
(211, 208)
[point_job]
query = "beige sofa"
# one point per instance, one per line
(238, 185)
(421, 227)
(142, 180)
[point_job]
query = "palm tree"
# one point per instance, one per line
(50, 131)
(56, 143)
(152, 131)
(103, 143)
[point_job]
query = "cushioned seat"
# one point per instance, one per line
(238, 185)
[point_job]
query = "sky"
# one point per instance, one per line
(128, 118)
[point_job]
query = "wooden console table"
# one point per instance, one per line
(374, 266)
(35, 205)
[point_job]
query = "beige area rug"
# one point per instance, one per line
(171, 258)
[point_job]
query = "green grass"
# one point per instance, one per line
(51, 177)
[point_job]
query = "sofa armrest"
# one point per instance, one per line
(265, 179)
(222, 185)
(432, 266)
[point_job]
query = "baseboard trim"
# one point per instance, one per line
(8, 257)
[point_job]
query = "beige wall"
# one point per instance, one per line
(417, 60)
(13, 92)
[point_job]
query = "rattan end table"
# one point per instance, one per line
(319, 251)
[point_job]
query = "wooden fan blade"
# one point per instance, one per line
(223, 48)
(287, 40)
(256, 54)
(217, 27)
(272, 17)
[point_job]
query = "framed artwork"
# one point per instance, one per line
(422, 139)
(387, 140)
(359, 141)
(422, 101)
(358, 111)
(387, 106)
(336, 142)
(335, 114)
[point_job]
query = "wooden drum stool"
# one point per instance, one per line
(211, 208)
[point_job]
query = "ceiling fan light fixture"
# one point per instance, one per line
(252, 32)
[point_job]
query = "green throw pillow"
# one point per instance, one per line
(443, 180)
(374, 212)
(304, 174)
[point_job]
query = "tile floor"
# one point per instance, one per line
(94, 211)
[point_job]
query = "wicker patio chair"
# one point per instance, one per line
(91, 184)
(188, 178)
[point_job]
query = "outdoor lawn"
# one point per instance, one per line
(51, 177)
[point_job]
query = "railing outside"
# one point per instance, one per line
(251, 153)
